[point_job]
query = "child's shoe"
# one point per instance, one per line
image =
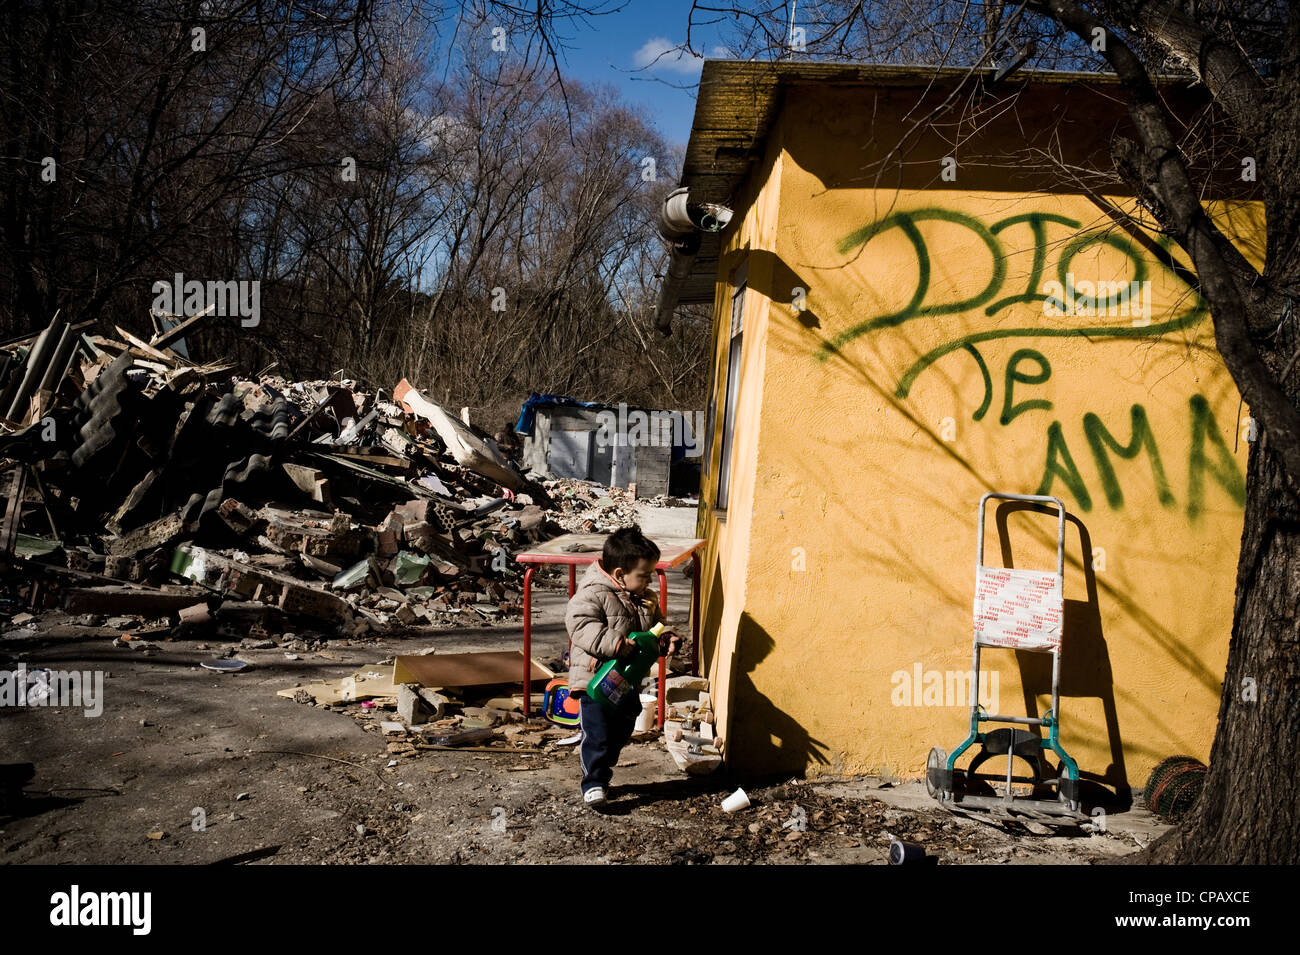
(594, 798)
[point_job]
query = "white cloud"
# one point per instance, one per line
(659, 54)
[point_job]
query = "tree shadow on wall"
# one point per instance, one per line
(764, 737)
(1085, 660)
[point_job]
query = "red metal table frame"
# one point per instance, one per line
(672, 551)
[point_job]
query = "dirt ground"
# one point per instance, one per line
(187, 766)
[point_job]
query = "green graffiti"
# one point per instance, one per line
(989, 236)
(1009, 411)
(906, 221)
(1149, 331)
(1224, 471)
(988, 383)
(1208, 453)
(1204, 430)
(1061, 464)
(1120, 294)
(1038, 226)
(1100, 439)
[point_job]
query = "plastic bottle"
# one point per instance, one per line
(619, 678)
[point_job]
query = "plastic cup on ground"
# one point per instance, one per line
(736, 801)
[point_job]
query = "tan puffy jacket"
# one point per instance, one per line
(599, 616)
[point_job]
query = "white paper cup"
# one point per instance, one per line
(649, 713)
(736, 801)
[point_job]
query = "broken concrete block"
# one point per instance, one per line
(479, 716)
(410, 708)
(195, 616)
(241, 518)
(264, 586)
(469, 450)
(146, 602)
(687, 682)
(434, 703)
(310, 481)
(388, 535)
(154, 534)
(693, 759)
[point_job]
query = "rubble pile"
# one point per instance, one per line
(584, 507)
(137, 482)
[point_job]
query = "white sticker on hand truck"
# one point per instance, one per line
(1018, 608)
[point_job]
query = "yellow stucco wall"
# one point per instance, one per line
(725, 557)
(872, 420)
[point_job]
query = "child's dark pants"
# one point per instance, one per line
(604, 734)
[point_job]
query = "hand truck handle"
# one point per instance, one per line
(1037, 499)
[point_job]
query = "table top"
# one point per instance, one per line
(587, 548)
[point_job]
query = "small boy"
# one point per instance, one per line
(611, 601)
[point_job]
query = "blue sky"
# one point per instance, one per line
(621, 49)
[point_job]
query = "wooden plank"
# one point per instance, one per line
(370, 458)
(466, 669)
(14, 511)
(122, 599)
(178, 331)
(171, 359)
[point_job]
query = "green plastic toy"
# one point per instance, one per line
(618, 678)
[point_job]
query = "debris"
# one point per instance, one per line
(905, 853)
(460, 738)
(138, 601)
(195, 616)
(466, 669)
(467, 448)
(736, 801)
(417, 704)
(224, 666)
(365, 684)
(162, 470)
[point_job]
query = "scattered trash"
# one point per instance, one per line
(904, 853)
(224, 666)
(736, 801)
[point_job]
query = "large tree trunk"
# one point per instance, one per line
(1248, 811)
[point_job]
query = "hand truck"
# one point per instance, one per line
(1020, 610)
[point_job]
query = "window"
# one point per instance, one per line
(733, 388)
